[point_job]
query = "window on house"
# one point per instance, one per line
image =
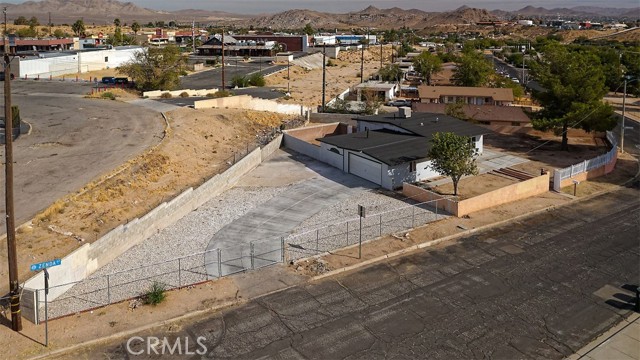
(106, 59)
(515, 123)
(449, 99)
(412, 166)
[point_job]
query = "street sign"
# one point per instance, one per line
(46, 264)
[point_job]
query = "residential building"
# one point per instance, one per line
(381, 90)
(393, 148)
(466, 95)
(482, 114)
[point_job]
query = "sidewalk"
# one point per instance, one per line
(622, 342)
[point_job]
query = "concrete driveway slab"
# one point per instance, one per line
(264, 226)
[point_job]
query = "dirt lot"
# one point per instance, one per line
(197, 145)
(306, 85)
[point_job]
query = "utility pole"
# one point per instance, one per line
(624, 108)
(288, 77)
(14, 285)
(223, 59)
(50, 24)
(380, 41)
(324, 73)
(362, 63)
(193, 36)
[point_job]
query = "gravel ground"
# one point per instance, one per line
(155, 259)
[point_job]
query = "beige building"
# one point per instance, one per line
(466, 95)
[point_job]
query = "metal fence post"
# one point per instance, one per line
(282, 248)
(108, 290)
(179, 274)
(251, 254)
(37, 307)
(219, 263)
(347, 233)
(413, 217)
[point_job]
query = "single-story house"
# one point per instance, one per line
(383, 91)
(466, 95)
(393, 148)
(482, 114)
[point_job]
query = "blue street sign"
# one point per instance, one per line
(46, 264)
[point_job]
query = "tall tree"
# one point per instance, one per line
(473, 69)
(427, 65)
(78, 27)
(135, 27)
(453, 156)
(308, 30)
(155, 68)
(20, 20)
(575, 85)
(116, 22)
(390, 72)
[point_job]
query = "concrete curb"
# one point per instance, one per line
(139, 329)
(463, 233)
(604, 337)
(328, 274)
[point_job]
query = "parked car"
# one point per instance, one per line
(109, 80)
(399, 103)
(2, 76)
(121, 80)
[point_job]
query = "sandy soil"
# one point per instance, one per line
(198, 145)
(306, 85)
(476, 185)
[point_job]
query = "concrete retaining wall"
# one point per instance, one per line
(250, 103)
(328, 118)
(85, 260)
(177, 93)
(518, 191)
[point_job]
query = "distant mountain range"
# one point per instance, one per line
(101, 12)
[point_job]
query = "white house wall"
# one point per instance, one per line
(69, 64)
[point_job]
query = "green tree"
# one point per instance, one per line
(116, 22)
(78, 27)
(391, 72)
(59, 33)
(427, 65)
(453, 156)
(135, 27)
(473, 70)
(308, 30)
(257, 79)
(575, 86)
(33, 22)
(155, 68)
(21, 20)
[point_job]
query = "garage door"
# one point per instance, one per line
(365, 168)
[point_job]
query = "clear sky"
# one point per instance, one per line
(335, 6)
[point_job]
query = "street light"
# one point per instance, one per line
(624, 103)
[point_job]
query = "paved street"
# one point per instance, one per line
(540, 288)
(73, 141)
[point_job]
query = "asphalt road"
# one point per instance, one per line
(539, 288)
(213, 78)
(74, 140)
(518, 73)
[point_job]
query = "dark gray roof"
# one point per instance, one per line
(394, 148)
(388, 147)
(427, 124)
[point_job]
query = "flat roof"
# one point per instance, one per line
(479, 112)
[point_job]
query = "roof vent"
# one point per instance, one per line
(404, 112)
